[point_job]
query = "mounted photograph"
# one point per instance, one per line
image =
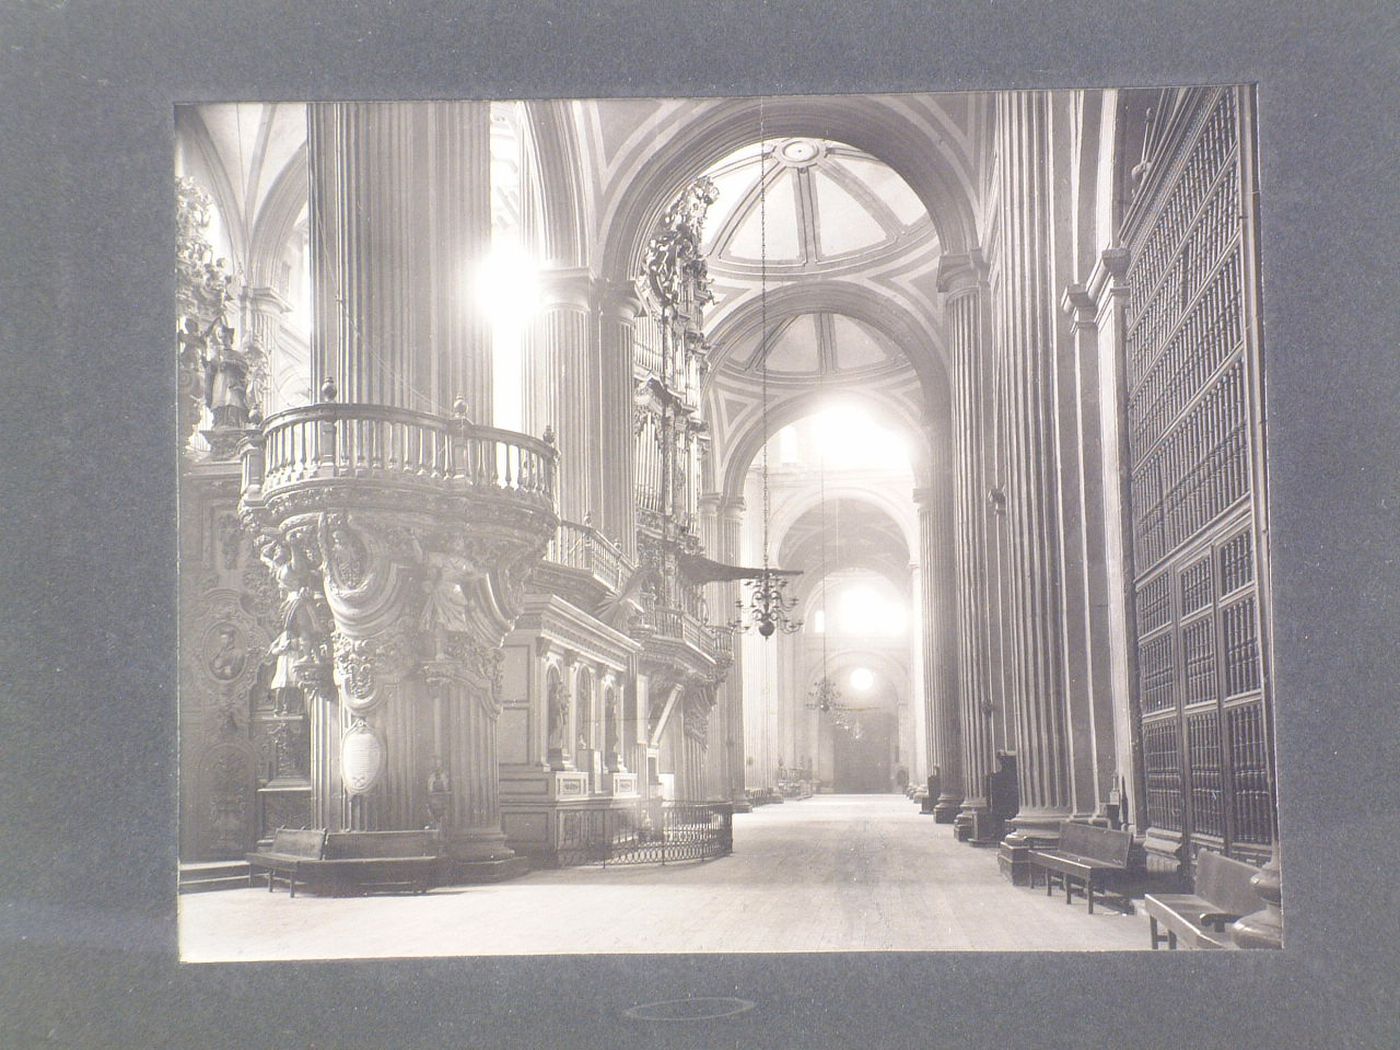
(827, 523)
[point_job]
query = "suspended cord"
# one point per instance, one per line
(763, 316)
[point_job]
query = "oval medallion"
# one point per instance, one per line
(361, 758)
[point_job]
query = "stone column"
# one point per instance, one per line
(619, 310)
(400, 219)
(962, 280)
(420, 592)
(561, 386)
(921, 757)
(1101, 764)
(1026, 317)
(939, 622)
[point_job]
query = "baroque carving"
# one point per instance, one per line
(364, 665)
(225, 379)
(301, 648)
(675, 262)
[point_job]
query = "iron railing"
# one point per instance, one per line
(664, 833)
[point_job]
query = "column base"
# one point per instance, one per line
(1029, 831)
(946, 808)
(976, 826)
(469, 872)
(479, 846)
(1263, 928)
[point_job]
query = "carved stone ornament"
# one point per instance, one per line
(362, 758)
(675, 263)
(345, 554)
(364, 666)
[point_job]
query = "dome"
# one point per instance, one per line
(817, 344)
(827, 205)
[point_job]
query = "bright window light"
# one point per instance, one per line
(846, 437)
(862, 679)
(508, 292)
(508, 285)
(864, 610)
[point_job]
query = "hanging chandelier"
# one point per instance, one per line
(768, 606)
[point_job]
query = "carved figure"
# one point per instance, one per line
(446, 605)
(558, 713)
(304, 623)
(227, 661)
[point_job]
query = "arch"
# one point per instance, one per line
(557, 163)
(203, 156)
(889, 664)
(870, 124)
(744, 448)
(276, 220)
(904, 518)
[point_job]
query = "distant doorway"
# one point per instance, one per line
(863, 754)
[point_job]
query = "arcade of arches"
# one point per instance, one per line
(490, 410)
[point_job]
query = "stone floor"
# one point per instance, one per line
(830, 873)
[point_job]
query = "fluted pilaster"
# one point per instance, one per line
(1026, 314)
(619, 311)
(939, 623)
(400, 219)
(963, 281)
(561, 387)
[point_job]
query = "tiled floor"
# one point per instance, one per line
(830, 873)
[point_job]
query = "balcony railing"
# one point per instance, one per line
(583, 547)
(327, 441)
(714, 642)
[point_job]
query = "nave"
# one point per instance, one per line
(828, 873)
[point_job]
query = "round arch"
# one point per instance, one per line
(276, 220)
(886, 664)
(554, 151)
(745, 447)
(872, 125)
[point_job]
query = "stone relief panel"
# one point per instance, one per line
(239, 730)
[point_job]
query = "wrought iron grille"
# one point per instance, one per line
(667, 833)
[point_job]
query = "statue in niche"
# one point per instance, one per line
(613, 744)
(558, 713)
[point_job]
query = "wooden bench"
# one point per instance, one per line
(358, 861)
(1198, 920)
(350, 861)
(1093, 857)
(291, 849)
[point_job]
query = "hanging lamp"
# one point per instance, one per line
(769, 606)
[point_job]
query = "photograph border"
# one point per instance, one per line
(87, 887)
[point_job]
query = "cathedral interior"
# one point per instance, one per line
(859, 494)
